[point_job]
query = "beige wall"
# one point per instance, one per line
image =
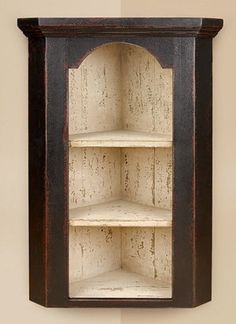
(13, 164)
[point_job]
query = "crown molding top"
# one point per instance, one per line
(76, 27)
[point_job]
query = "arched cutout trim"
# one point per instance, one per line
(120, 86)
(162, 50)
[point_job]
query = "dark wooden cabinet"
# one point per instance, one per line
(120, 150)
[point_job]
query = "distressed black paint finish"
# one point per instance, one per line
(48, 162)
(203, 174)
(183, 169)
(57, 171)
(186, 46)
(37, 166)
(74, 27)
(163, 49)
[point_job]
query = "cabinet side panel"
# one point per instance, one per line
(183, 174)
(57, 172)
(203, 173)
(37, 169)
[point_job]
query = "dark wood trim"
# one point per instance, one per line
(37, 177)
(120, 302)
(203, 170)
(48, 165)
(183, 177)
(72, 27)
(163, 50)
(57, 171)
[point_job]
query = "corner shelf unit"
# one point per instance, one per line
(120, 161)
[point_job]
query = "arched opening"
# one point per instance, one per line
(120, 87)
(120, 125)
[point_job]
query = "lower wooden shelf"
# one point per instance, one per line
(120, 284)
(120, 213)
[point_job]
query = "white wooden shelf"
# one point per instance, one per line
(120, 213)
(120, 138)
(120, 284)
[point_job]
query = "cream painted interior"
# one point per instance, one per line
(15, 307)
(120, 171)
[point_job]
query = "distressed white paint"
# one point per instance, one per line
(94, 176)
(100, 250)
(120, 213)
(118, 284)
(163, 178)
(146, 92)
(141, 175)
(146, 176)
(93, 250)
(148, 251)
(163, 254)
(120, 86)
(120, 138)
(120, 175)
(137, 175)
(138, 250)
(94, 92)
